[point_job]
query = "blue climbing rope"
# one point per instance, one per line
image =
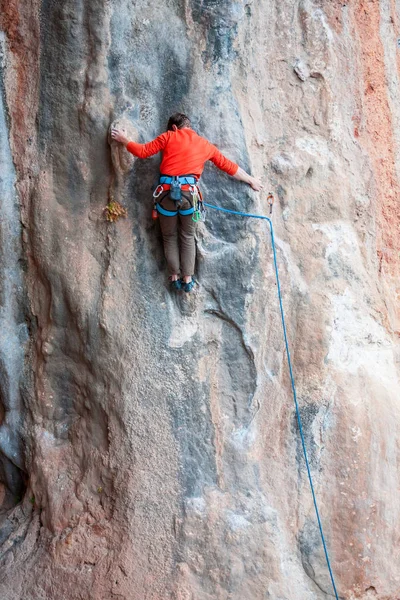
(242, 214)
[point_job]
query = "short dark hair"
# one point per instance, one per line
(178, 119)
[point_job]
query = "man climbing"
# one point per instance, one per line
(184, 153)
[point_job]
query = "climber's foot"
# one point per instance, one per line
(176, 283)
(188, 285)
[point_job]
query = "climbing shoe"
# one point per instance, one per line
(187, 287)
(177, 284)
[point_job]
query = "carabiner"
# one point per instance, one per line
(158, 191)
(271, 201)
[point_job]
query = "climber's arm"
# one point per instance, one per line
(233, 169)
(241, 175)
(140, 150)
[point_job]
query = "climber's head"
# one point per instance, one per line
(178, 121)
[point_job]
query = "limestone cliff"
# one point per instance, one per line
(148, 442)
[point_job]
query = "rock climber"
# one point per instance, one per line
(184, 153)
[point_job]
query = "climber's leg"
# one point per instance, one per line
(187, 228)
(169, 230)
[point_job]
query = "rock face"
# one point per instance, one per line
(149, 446)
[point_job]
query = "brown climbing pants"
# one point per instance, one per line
(178, 236)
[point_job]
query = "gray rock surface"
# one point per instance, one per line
(149, 446)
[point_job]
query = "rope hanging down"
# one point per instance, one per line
(242, 214)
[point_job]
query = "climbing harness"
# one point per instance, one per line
(173, 213)
(181, 179)
(242, 214)
(174, 184)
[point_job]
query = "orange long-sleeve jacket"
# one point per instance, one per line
(184, 152)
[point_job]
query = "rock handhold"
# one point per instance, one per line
(122, 162)
(301, 69)
(121, 159)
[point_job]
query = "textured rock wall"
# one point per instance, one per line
(149, 447)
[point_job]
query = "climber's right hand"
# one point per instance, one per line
(118, 136)
(256, 184)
